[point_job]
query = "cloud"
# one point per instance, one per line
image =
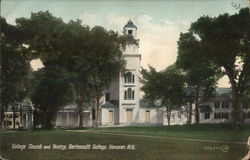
(115, 19)
(158, 41)
(89, 19)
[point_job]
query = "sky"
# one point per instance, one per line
(159, 22)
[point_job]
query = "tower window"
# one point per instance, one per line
(107, 97)
(129, 78)
(130, 32)
(129, 94)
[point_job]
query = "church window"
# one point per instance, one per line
(129, 94)
(107, 97)
(130, 32)
(125, 95)
(129, 78)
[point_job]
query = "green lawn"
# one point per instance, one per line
(147, 140)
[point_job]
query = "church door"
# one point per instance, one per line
(111, 115)
(129, 115)
(147, 116)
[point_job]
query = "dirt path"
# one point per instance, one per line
(120, 133)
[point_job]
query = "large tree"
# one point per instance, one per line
(15, 70)
(200, 76)
(51, 90)
(224, 41)
(166, 86)
(92, 56)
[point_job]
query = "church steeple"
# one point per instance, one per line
(130, 29)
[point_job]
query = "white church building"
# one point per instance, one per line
(122, 105)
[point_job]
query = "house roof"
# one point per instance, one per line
(223, 91)
(205, 108)
(23, 108)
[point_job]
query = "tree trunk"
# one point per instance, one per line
(80, 114)
(235, 98)
(21, 117)
(168, 115)
(236, 108)
(14, 117)
(54, 120)
(197, 113)
(97, 111)
(35, 118)
(2, 118)
(189, 121)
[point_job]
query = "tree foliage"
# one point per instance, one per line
(222, 42)
(166, 86)
(92, 57)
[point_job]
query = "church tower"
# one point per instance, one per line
(129, 83)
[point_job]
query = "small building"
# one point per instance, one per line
(219, 109)
(23, 117)
(68, 117)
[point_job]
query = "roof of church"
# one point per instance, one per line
(145, 103)
(110, 104)
(130, 24)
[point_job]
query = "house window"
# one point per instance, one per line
(217, 115)
(9, 123)
(248, 115)
(173, 117)
(217, 104)
(246, 105)
(129, 78)
(225, 104)
(107, 97)
(225, 115)
(179, 116)
(130, 32)
(207, 115)
(129, 94)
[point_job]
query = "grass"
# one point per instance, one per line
(146, 148)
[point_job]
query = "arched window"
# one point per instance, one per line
(125, 95)
(129, 94)
(129, 77)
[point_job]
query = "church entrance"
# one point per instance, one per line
(111, 115)
(129, 115)
(147, 116)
